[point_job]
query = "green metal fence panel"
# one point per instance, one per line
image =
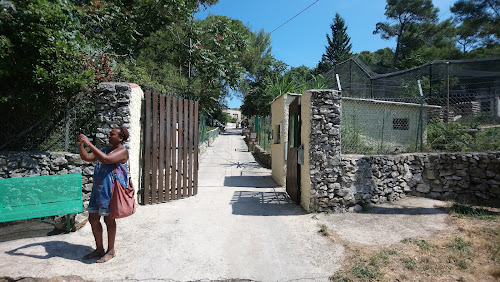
(39, 196)
(263, 127)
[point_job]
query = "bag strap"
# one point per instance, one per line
(128, 168)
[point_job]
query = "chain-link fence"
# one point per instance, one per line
(27, 128)
(382, 113)
(56, 129)
(206, 133)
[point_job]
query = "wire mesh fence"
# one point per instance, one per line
(263, 128)
(55, 129)
(382, 113)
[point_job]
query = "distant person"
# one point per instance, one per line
(107, 160)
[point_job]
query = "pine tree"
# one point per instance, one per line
(339, 46)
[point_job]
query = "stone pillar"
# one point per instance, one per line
(119, 104)
(324, 147)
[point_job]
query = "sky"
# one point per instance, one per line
(302, 40)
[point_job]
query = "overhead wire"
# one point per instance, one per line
(293, 17)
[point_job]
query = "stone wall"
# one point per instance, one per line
(119, 104)
(21, 164)
(467, 177)
(263, 156)
(343, 183)
(324, 148)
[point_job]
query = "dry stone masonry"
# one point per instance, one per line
(342, 183)
(112, 109)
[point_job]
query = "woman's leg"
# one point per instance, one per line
(95, 222)
(111, 227)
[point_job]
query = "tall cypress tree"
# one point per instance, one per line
(339, 46)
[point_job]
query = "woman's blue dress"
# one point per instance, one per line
(103, 185)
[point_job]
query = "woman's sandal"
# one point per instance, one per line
(107, 256)
(94, 254)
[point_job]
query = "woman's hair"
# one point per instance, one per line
(123, 133)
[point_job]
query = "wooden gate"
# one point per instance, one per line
(170, 150)
(292, 166)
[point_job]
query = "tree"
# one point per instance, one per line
(408, 21)
(257, 97)
(339, 46)
(42, 53)
(301, 75)
(121, 26)
(479, 23)
(323, 66)
(261, 68)
(379, 61)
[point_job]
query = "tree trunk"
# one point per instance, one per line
(396, 53)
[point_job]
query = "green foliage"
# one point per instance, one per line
(460, 245)
(340, 277)
(422, 244)
(43, 62)
(409, 22)
(409, 263)
(450, 136)
(339, 46)
(465, 210)
(262, 68)
(379, 61)
(466, 134)
(301, 75)
(351, 132)
(366, 272)
(282, 85)
(317, 82)
(479, 23)
(488, 139)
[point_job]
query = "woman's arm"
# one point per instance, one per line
(118, 156)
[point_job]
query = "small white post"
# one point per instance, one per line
(338, 82)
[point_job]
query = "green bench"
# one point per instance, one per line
(40, 196)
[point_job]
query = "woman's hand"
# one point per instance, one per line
(83, 139)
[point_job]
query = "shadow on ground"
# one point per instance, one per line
(54, 249)
(264, 204)
(405, 210)
(23, 229)
(256, 181)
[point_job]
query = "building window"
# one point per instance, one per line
(486, 106)
(400, 124)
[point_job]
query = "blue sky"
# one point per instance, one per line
(302, 40)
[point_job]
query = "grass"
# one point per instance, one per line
(464, 210)
(323, 230)
(467, 251)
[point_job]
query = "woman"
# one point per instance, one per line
(106, 160)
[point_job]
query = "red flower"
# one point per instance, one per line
(219, 37)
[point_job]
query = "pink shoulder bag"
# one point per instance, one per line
(122, 202)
